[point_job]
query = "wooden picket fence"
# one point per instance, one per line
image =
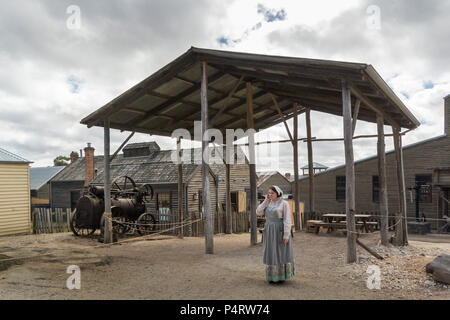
(45, 220)
(240, 223)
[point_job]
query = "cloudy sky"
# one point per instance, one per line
(61, 60)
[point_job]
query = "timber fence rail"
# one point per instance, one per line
(169, 219)
(239, 223)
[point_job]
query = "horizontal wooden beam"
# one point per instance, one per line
(302, 82)
(357, 137)
(324, 72)
(267, 142)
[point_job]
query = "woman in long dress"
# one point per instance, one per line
(278, 253)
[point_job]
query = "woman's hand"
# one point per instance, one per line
(286, 241)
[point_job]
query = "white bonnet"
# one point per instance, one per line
(279, 191)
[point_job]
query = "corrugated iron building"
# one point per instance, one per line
(146, 163)
(270, 178)
(422, 161)
(14, 194)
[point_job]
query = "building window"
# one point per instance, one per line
(163, 206)
(340, 188)
(424, 193)
(375, 189)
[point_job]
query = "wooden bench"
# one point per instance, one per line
(311, 225)
(342, 225)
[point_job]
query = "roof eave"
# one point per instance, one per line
(373, 74)
(183, 61)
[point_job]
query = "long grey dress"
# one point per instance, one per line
(278, 257)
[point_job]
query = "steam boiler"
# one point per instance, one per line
(128, 208)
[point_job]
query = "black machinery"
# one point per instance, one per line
(127, 208)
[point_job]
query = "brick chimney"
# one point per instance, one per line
(88, 164)
(447, 115)
(287, 175)
(73, 156)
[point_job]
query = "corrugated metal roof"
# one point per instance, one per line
(155, 168)
(316, 165)
(170, 98)
(6, 156)
(41, 175)
(416, 144)
(151, 145)
(263, 176)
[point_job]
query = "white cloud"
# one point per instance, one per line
(52, 77)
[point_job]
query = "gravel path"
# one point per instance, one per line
(171, 268)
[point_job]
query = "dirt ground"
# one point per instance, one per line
(172, 268)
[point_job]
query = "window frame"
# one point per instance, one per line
(376, 190)
(340, 190)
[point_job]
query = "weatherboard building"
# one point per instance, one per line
(425, 162)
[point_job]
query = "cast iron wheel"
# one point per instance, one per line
(142, 224)
(120, 228)
(121, 183)
(78, 230)
(147, 191)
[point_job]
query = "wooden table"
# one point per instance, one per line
(336, 219)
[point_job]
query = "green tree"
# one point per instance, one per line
(61, 161)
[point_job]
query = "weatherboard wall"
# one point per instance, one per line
(419, 159)
(14, 198)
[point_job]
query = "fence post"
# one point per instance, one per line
(41, 222)
(33, 216)
(68, 213)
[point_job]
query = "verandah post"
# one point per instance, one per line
(383, 196)
(310, 161)
(206, 197)
(252, 165)
(349, 174)
(296, 186)
(108, 237)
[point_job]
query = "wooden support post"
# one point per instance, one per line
(400, 224)
(229, 224)
(383, 195)
(355, 115)
(405, 206)
(310, 161)
(206, 197)
(349, 174)
(252, 166)
(180, 189)
(108, 236)
(297, 221)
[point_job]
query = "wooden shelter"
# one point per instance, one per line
(230, 90)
